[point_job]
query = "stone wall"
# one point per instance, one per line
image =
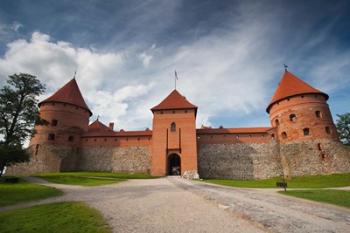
(115, 159)
(239, 160)
(314, 158)
(43, 158)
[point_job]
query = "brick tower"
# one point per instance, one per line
(68, 117)
(174, 147)
(300, 112)
(304, 127)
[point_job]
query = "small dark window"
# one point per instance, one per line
(273, 135)
(115, 139)
(186, 111)
(71, 138)
(292, 117)
(277, 123)
(319, 146)
(161, 112)
(173, 111)
(105, 139)
(306, 131)
(284, 135)
(318, 114)
(95, 140)
(54, 122)
(173, 127)
(51, 137)
(86, 140)
(138, 139)
(328, 130)
(37, 149)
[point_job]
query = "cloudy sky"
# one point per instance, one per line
(229, 55)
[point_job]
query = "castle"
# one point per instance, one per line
(302, 139)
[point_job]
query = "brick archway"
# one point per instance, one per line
(174, 165)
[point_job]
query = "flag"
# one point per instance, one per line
(176, 75)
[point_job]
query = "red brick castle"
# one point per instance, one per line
(302, 139)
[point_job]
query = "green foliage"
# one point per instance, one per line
(18, 108)
(343, 127)
(320, 181)
(23, 191)
(10, 155)
(336, 197)
(91, 178)
(67, 217)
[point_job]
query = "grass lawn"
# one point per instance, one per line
(67, 217)
(320, 181)
(336, 197)
(90, 178)
(23, 191)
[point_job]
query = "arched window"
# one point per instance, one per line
(292, 117)
(306, 131)
(284, 135)
(318, 114)
(173, 127)
(277, 123)
(71, 138)
(328, 130)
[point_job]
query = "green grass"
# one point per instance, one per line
(320, 181)
(336, 197)
(24, 191)
(90, 178)
(67, 217)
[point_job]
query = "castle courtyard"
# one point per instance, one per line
(173, 204)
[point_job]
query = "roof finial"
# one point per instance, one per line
(176, 78)
(75, 73)
(98, 116)
(285, 67)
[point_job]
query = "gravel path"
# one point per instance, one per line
(173, 204)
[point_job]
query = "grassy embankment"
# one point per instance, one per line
(13, 193)
(320, 181)
(67, 217)
(331, 196)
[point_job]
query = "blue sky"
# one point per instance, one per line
(229, 55)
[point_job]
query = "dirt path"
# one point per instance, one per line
(176, 205)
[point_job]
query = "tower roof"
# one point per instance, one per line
(97, 128)
(174, 101)
(70, 94)
(289, 86)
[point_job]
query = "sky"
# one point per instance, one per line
(228, 55)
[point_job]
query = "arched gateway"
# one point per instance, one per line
(174, 165)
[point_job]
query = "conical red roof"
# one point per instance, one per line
(291, 85)
(70, 94)
(174, 101)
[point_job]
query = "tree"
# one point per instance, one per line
(18, 114)
(343, 127)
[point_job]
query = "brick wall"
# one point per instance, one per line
(239, 160)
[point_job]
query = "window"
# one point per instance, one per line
(54, 122)
(277, 123)
(36, 149)
(318, 114)
(328, 130)
(292, 117)
(306, 131)
(319, 146)
(173, 111)
(70, 138)
(173, 127)
(273, 136)
(284, 135)
(51, 137)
